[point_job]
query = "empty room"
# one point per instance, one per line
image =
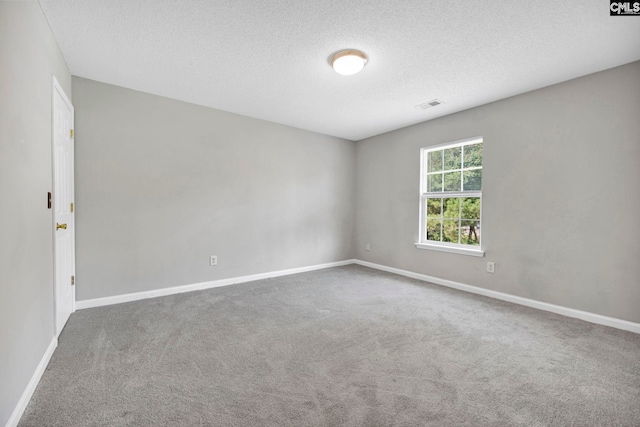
(279, 213)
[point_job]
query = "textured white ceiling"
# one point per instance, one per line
(269, 58)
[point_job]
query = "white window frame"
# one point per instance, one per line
(423, 243)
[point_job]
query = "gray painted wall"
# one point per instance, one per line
(560, 195)
(161, 185)
(29, 57)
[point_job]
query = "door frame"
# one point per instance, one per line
(56, 87)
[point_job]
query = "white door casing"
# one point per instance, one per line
(63, 210)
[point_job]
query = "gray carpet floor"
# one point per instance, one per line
(346, 346)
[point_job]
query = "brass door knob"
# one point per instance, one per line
(59, 226)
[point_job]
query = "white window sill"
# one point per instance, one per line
(451, 249)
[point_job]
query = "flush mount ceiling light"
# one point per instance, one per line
(348, 62)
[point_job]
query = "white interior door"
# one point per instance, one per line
(63, 208)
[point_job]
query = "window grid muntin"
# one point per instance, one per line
(442, 218)
(444, 171)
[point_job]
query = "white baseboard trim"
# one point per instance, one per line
(565, 311)
(14, 419)
(118, 299)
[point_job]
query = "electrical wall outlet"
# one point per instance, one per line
(367, 247)
(213, 260)
(491, 267)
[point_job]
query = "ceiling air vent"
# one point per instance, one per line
(429, 104)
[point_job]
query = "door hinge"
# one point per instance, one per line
(73, 280)
(71, 133)
(71, 207)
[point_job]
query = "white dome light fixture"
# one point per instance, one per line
(348, 62)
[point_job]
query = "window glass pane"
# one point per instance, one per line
(470, 232)
(434, 182)
(451, 208)
(471, 208)
(472, 180)
(450, 231)
(434, 208)
(433, 229)
(472, 155)
(452, 158)
(452, 181)
(434, 161)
